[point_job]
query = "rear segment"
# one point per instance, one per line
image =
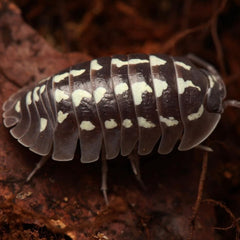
(12, 108)
(26, 113)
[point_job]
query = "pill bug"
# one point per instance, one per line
(119, 102)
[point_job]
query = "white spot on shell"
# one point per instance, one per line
(58, 78)
(77, 72)
(61, 116)
(60, 95)
(159, 86)
(42, 89)
(182, 85)
(127, 123)
(110, 124)
(35, 94)
(138, 61)
(78, 95)
(119, 63)
(138, 89)
(44, 80)
(183, 65)
(87, 125)
(99, 94)
(212, 80)
(18, 107)
(156, 61)
(143, 122)
(95, 65)
(196, 115)
(121, 88)
(170, 121)
(29, 98)
(43, 124)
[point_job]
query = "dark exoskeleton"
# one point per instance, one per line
(119, 102)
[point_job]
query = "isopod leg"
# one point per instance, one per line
(104, 176)
(38, 166)
(200, 192)
(134, 160)
(204, 148)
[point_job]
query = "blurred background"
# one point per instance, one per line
(102, 27)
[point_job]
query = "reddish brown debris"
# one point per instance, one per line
(63, 200)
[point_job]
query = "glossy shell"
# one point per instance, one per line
(117, 102)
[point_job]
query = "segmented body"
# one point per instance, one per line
(118, 102)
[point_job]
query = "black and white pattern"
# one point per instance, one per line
(118, 102)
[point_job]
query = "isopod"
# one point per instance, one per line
(119, 102)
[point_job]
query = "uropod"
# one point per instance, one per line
(119, 103)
